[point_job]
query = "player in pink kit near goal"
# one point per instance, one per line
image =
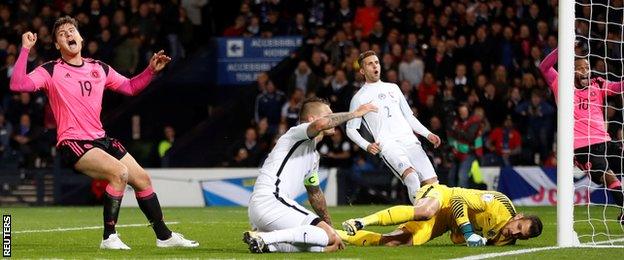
(75, 86)
(590, 137)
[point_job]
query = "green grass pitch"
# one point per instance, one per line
(219, 232)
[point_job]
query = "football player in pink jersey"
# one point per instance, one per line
(591, 139)
(74, 86)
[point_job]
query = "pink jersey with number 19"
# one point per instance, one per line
(589, 122)
(75, 92)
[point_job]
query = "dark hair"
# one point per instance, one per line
(364, 55)
(61, 21)
(308, 103)
(536, 226)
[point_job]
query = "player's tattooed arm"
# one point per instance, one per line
(318, 203)
(332, 120)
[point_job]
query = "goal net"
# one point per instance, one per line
(599, 35)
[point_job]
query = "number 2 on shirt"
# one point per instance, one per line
(85, 86)
(388, 111)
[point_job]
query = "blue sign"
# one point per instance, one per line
(531, 186)
(240, 60)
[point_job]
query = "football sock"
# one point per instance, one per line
(361, 238)
(290, 248)
(308, 234)
(412, 183)
(148, 202)
(391, 216)
(112, 203)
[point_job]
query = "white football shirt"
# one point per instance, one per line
(293, 159)
(394, 120)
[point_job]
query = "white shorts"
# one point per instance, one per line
(269, 213)
(400, 157)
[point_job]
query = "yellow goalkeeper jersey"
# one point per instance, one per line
(487, 211)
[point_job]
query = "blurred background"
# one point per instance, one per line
(241, 69)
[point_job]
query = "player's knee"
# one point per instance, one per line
(119, 174)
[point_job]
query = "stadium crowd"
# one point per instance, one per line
(468, 69)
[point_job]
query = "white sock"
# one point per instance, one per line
(290, 248)
(307, 235)
(413, 184)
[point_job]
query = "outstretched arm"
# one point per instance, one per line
(138, 83)
(335, 119)
(547, 67)
(20, 81)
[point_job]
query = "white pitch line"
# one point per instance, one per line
(532, 250)
(83, 228)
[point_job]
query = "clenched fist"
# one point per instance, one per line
(29, 39)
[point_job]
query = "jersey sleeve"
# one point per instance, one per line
(414, 123)
(299, 132)
(547, 69)
(36, 80)
(355, 122)
(130, 87)
(461, 203)
(40, 78)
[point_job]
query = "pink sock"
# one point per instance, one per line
(115, 193)
(144, 193)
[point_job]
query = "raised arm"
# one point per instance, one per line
(547, 68)
(20, 81)
(335, 119)
(138, 83)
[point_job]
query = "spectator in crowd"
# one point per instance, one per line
(252, 151)
(269, 105)
(165, 145)
(303, 78)
(464, 137)
(338, 92)
(6, 132)
(411, 68)
(366, 16)
(290, 110)
(505, 143)
(335, 150)
(25, 141)
(538, 115)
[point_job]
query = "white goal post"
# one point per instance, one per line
(566, 236)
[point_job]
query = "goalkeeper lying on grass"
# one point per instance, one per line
(474, 217)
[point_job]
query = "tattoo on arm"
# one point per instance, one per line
(338, 118)
(317, 200)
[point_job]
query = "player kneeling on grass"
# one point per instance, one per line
(75, 86)
(280, 224)
(474, 217)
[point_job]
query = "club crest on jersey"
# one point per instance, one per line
(381, 96)
(95, 74)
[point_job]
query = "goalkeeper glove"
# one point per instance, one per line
(475, 240)
(472, 239)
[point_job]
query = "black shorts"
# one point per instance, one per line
(593, 160)
(72, 150)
